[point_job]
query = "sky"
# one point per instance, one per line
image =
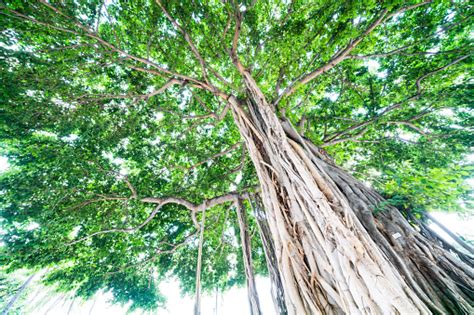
(232, 302)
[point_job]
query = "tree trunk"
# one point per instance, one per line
(456, 238)
(247, 258)
(441, 275)
(278, 292)
(17, 295)
(197, 301)
(334, 257)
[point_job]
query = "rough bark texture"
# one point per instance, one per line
(442, 276)
(334, 257)
(247, 257)
(278, 292)
(328, 262)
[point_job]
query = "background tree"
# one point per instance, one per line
(123, 122)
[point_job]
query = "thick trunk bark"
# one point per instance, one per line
(441, 275)
(247, 257)
(328, 262)
(334, 257)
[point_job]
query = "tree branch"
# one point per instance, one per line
(99, 97)
(188, 40)
(91, 34)
(208, 203)
(400, 51)
(332, 138)
(232, 148)
(341, 55)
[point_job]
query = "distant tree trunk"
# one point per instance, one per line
(278, 293)
(17, 294)
(334, 257)
(70, 307)
(455, 238)
(92, 306)
(54, 304)
(247, 258)
(197, 302)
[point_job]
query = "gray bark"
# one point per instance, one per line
(278, 293)
(327, 261)
(334, 256)
(17, 295)
(247, 258)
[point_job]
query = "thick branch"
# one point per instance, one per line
(232, 196)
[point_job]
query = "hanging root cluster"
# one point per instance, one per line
(334, 257)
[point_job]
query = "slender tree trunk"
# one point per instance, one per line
(456, 238)
(278, 293)
(247, 258)
(70, 307)
(197, 302)
(17, 295)
(334, 257)
(93, 304)
(216, 301)
(54, 304)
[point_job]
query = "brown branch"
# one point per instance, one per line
(167, 85)
(235, 40)
(418, 82)
(188, 40)
(341, 55)
(91, 34)
(232, 148)
(117, 230)
(103, 198)
(335, 60)
(218, 117)
(131, 187)
(408, 124)
(160, 203)
(400, 51)
(158, 252)
(340, 140)
(332, 138)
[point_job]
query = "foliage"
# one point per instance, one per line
(105, 103)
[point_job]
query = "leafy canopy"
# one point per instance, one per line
(106, 104)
